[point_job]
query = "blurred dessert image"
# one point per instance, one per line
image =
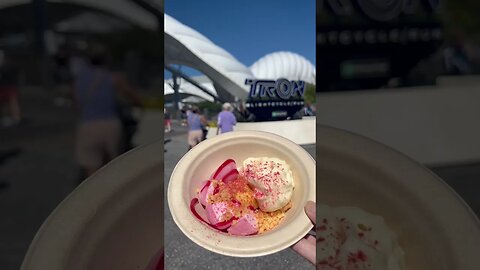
(246, 201)
(350, 238)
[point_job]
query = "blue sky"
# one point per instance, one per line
(250, 29)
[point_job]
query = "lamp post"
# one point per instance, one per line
(176, 94)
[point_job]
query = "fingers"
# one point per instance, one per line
(312, 240)
(306, 248)
(311, 211)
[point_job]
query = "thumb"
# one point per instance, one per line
(310, 209)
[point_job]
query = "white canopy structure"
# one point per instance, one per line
(185, 46)
(287, 65)
(225, 75)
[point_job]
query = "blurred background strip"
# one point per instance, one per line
(405, 73)
(47, 50)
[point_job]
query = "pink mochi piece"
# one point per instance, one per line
(246, 225)
(216, 212)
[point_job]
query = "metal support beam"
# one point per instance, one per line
(176, 94)
(178, 73)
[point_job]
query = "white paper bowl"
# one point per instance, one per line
(435, 228)
(114, 220)
(199, 163)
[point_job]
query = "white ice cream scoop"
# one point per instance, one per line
(272, 181)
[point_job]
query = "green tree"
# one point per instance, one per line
(310, 92)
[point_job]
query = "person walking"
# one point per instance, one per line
(100, 134)
(244, 115)
(308, 110)
(167, 121)
(226, 119)
(195, 130)
(183, 116)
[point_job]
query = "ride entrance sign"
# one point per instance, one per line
(271, 100)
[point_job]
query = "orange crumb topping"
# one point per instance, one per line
(269, 220)
(240, 199)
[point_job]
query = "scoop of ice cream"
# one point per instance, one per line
(272, 181)
(350, 238)
(246, 225)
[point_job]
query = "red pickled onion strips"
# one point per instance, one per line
(224, 224)
(207, 184)
(193, 203)
(227, 169)
(230, 176)
(221, 226)
(205, 191)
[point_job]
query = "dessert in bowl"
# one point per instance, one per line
(431, 224)
(248, 200)
(199, 164)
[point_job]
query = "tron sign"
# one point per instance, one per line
(281, 88)
(271, 100)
